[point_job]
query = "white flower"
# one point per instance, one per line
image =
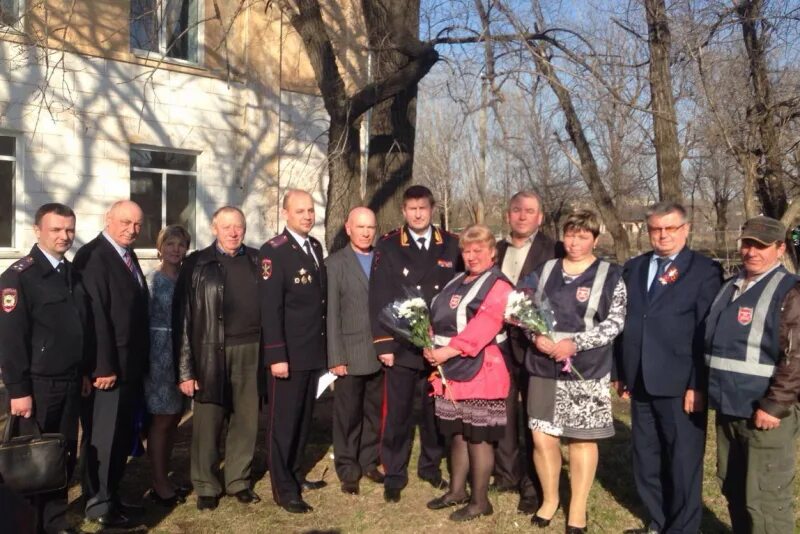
(517, 301)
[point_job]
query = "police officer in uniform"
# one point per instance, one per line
(753, 356)
(416, 258)
(292, 290)
(42, 326)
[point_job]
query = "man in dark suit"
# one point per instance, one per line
(358, 394)
(525, 249)
(42, 346)
(421, 259)
(660, 364)
(120, 341)
(292, 290)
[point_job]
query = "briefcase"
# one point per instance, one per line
(34, 463)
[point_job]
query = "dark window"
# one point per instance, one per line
(10, 12)
(168, 27)
(144, 25)
(7, 166)
(164, 185)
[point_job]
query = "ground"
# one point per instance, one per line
(613, 505)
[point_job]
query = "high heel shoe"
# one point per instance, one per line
(540, 522)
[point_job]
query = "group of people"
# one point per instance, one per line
(231, 327)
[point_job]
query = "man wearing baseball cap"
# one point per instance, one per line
(752, 344)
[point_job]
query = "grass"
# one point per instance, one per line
(613, 507)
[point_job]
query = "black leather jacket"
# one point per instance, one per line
(198, 328)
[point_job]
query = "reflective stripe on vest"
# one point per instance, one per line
(751, 364)
(461, 311)
(596, 293)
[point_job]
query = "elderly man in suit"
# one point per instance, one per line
(358, 394)
(660, 364)
(119, 335)
(525, 249)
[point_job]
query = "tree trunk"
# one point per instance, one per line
(391, 139)
(662, 103)
(589, 170)
(749, 164)
(769, 184)
(721, 209)
(344, 179)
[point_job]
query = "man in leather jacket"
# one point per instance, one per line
(216, 333)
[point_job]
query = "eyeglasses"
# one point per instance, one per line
(668, 229)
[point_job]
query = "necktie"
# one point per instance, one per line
(62, 271)
(307, 246)
(131, 267)
(421, 241)
(661, 267)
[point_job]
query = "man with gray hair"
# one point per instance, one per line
(660, 365)
(216, 333)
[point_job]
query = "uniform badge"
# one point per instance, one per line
(266, 268)
(582, 294)
(454, 301)
(444, 263)
(745, 316)
(304, 277)
(9, 299)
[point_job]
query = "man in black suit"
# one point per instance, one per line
(525, 249)
(120, 343)
(292, 290)
(421, 259)
(42, 347)
(660, 363)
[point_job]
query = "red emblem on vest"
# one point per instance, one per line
(454, 300)
(266, 268)
(745, 316)
(9, 300)
(582, 294)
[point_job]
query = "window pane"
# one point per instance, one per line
(6, 202)
(146, 191)
(7, 145)
(180, 28)
(144, 25)
(163, 160)
(9, 12)
(181, 201)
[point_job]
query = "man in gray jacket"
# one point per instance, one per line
(351, 356)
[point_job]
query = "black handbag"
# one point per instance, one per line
(33, 463)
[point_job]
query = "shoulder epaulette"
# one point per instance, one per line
(278, 240)
(22, 264)
(391, 233)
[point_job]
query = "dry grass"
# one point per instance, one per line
(613, 506)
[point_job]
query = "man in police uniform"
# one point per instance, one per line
(292, 290)
(416, 258)
(753, 356)
(42, 326)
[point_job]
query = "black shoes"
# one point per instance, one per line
(375, 475)
(437, 482)
(528, 505)
(391, 494)
(298, 506)
(310, 485)
(466, 514)
(576, 530)
(206, 502)
(247, 496)
(351, 488)
(444, 501)
(540, 522)
(168, 502)
(113, 519)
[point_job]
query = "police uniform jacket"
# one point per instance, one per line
(198, 323)
(400, 270)
(120, 325)
(293, 290)
(42, 323)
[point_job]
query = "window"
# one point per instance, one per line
(10, 12)
(8, 165)
(164, 185)
(166, 27)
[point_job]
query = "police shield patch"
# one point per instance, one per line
(9, 299)
(582, 294)
(745, 316)
(454, 300)
(266, 268)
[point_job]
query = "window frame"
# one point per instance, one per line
(13, 249)
(164, 175)
(18, 26)
(161, 53)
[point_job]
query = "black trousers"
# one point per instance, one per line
(56, 408)
(513, 463)
(357, 405)
(668, 448)
(291, 406)
(107, 421)
(402, 386)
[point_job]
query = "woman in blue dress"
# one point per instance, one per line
(162, 396)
